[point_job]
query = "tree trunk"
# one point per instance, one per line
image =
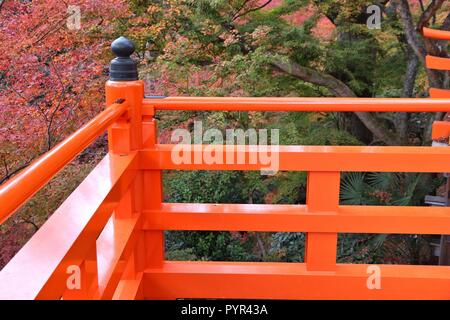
(401, 119)
(413, 37)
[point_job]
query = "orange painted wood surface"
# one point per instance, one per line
(16, 191)
(439, 93)
(322, 194)
(436, 34)
(297, 104)
(441, 130)
(437, 63)
(305, 158)
(297, 218)
(39, 269)
(259, 280)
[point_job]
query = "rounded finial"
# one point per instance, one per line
(122, 47)
(123, 68)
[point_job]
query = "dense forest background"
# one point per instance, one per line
(52, 80)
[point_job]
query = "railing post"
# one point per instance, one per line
(322, 196)
(125, 136)
(154, 196)
(138, 133)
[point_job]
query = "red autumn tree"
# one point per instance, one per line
(52, 72)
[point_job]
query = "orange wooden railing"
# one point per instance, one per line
(110, 231)
(18, 190)
(441, 129)
(68, 237)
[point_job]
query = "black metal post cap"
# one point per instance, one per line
(123, 68)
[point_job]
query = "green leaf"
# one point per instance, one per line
(352, 188)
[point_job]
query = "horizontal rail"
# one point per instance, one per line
(265, 280)
(437, 63)
(436, 34)
(299, 104)
(16, 191)
(39, 269)
(439, 93)
(441, 130)
(301, 158)
(297, 218)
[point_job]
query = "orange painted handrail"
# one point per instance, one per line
(303, 158)
(71, 236)
(298, 104)
(20, 188)
(437, 63)
(297, 218)
(436, 34)
(439, 93)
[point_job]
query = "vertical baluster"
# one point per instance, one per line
(322, 196)
(153, 198)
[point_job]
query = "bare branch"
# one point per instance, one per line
(237, 16)
(16, 170)
(429, 13)
(422, 7)
(244, 3)
(446, 24)
(412, 35)
(5, 165)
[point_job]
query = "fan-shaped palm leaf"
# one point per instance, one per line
(352, 188)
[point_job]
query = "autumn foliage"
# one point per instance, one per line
(51, 77)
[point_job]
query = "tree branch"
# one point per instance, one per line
(16, 170)
(336, 86)
(412, 66)
(237, 16)
(412, 35)
(429, 13)
(244, 3)
(410, 30)
(340, 89)
(401, 119)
